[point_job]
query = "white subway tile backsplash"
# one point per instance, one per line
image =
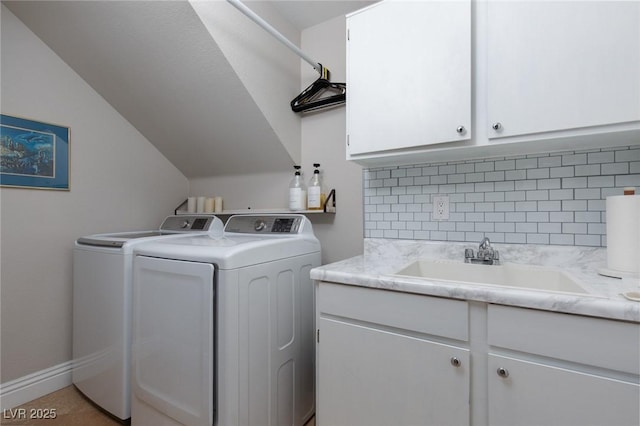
(600, 181)
(561, 172)
(589, 170)
(556, 198)
(515, 174)
(537, 238)
(494, 196)
(527, 163)
(574, 205)
(550, 228)
(561, 216)
(526, 185)
(554, 161)
(515, 238)
(601, 157)
(507, 206)
(487, 166)
(627, 155)
(574, 228)
(573, 159)
(627, 180)
(538, 173)
(587, 240)
(505, 165)
(574, 182)
(587, 194)
(549, 206)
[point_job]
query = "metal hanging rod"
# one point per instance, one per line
(267, 27)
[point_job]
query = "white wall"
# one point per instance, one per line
(255, 191)
(323, 141)
(118, 180)
(266, 67)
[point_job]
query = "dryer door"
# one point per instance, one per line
(173, 342)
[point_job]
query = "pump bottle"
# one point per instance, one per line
(297, 192)
(316, 195)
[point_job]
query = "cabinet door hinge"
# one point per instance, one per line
(348, 34)
(318, 335)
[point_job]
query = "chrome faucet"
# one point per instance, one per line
(486, 254)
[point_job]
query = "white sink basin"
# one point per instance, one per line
(507, 275)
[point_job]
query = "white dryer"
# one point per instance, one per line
(224, 327)
(102, 301)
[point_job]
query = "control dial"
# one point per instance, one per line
(185, 224)
(259, 225)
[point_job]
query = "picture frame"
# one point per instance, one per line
(33, 154)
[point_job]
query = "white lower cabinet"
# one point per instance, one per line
(369, 376)
(548, 368)
(531, 393)
(377, 366)
(393, 358)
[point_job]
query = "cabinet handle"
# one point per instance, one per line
(502, 372)
(461, 130)
(455, 361)
(497, 126)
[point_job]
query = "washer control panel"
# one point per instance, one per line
(187, 223)
(265, 224)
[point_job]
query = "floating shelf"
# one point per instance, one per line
(329, 207)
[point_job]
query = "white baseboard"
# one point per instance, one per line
(33, 386)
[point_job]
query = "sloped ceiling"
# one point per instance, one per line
(156, 63)
(166, 72)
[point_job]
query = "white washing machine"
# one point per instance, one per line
(102, 301)
(224, 327)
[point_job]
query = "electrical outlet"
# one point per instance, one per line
(440, 207)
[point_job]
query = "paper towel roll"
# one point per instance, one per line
(623, 231)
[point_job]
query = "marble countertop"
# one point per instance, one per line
(382, 258)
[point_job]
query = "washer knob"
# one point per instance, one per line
(185, 224)
(259, 225)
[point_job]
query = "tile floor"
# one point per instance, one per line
(70, 406)
(71, 409)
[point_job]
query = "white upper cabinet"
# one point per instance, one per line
(455, 80)
(408, 75)
(562, 65)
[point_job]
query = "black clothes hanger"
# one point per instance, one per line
(312, 99)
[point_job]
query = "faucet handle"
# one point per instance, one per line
(468, 253)
(485, 243)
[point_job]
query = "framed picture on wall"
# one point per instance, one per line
(33, 154)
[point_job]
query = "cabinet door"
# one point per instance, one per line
(562, 65)
(408, 75)
(372, 377)
(528, 393)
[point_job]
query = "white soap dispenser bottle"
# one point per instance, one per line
(297, 192)
(315, 194)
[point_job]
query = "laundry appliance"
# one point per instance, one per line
(224, 327)
(102, 301)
